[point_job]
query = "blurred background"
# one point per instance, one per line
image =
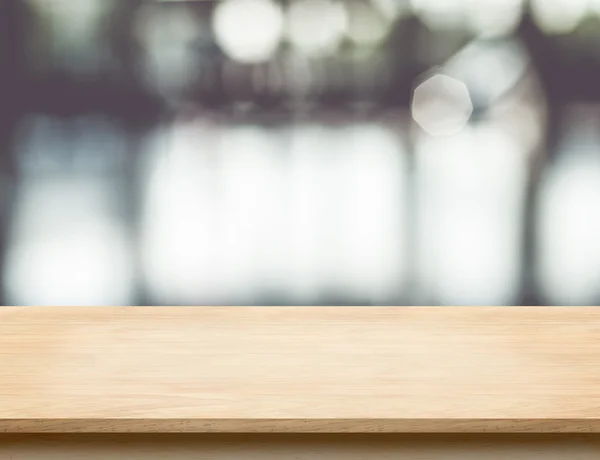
(299, 152)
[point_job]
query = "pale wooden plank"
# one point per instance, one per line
(301, 369)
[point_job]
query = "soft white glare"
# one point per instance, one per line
(254, 210)
(312, 227)
(558, 16)
(392, 9)
(490, 68)
(470, 194)
(77, 268)
(66, 250)
(232, 214)
(371, 204)
(440, 14)
(316, 27)
(569, 223)
(347, 209)
(594, 6)
(367, 26)
(249, 31)
(522, 114)
(215, 220)
(502, 82)
(181, 222)
(493, 18)
(441, 105)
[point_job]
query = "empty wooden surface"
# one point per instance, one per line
(301, 369)
(299, 447)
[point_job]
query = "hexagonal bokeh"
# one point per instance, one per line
(441, 105)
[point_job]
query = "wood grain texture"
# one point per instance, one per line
(299, 447)
(300, 369)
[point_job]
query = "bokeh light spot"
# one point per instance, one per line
(440, 14)
(441, 105)
(494, 18)
(317, 27)
(367, 26)
(558, 16)
(248, 31)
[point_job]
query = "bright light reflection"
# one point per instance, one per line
(441, 14)
(253, 206)
(470, 201)
(558, 16)
(441, 105)
(181, 222)
(367, 26)
(490, 68)
(233, 215)
(66, 249)
(493, 18)
(316, 27)
(569, 222)
(372, 227)
(392, 9)
(312, 224)
(249, 31)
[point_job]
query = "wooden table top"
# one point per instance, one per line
(300, 369)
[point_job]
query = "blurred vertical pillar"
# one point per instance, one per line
(405, 65)
(543, 59)
(13, 41)
(530, 292)
(137, 112)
